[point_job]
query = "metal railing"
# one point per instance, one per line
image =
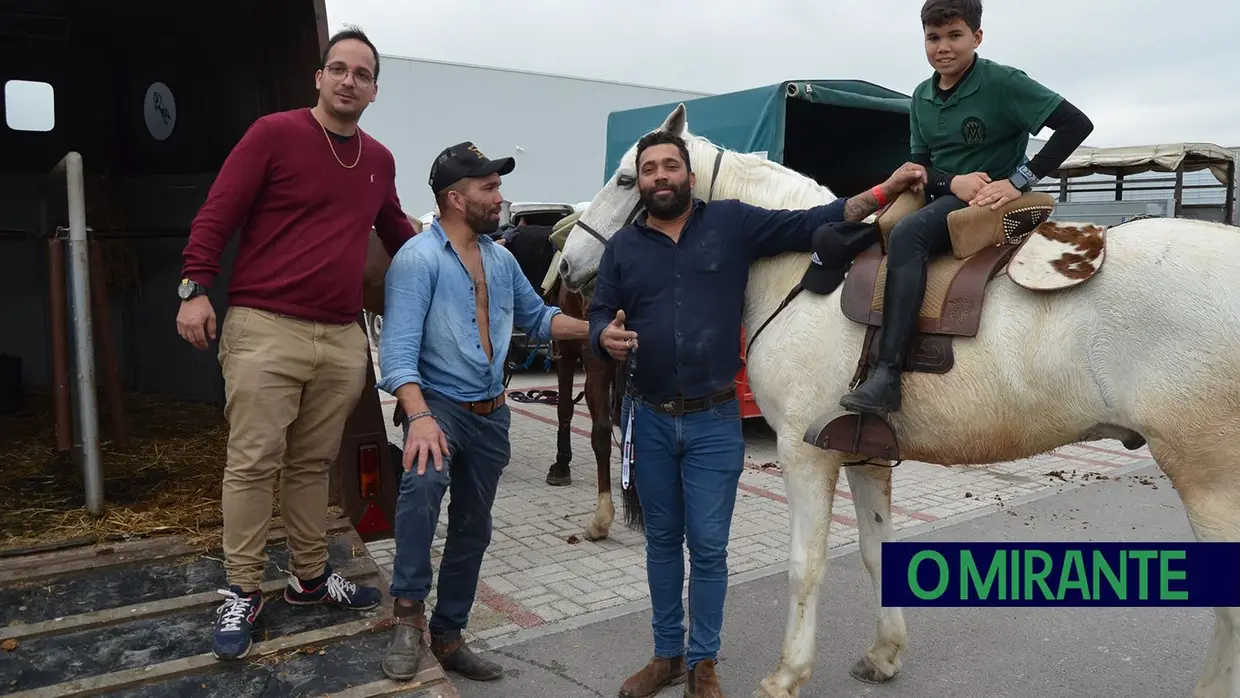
(70, 167)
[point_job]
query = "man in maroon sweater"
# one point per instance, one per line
(305, 188)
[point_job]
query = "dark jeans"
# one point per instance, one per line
(687, 470)
(479, 451)
(922, 233)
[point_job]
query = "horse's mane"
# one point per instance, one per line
(754, 179)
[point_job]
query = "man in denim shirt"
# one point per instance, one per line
(452, 296)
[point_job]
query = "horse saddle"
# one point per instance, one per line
(975, 227)
(983, 241)
(1016, 239)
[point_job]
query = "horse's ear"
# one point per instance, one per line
(676, 121)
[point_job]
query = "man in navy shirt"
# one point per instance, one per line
(676, 278)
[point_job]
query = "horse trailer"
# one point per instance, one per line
(118, 116)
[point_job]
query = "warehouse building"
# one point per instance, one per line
(555, 126)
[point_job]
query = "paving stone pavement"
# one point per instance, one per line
(540, 574)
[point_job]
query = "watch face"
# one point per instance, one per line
(185, 290)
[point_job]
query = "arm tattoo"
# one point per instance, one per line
(859, 206)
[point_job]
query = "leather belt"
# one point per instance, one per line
(678, 406)
(485, 407)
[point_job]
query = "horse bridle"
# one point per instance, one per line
(637, 207)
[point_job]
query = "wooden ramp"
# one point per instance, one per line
(135, 619)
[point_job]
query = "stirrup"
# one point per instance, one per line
(855, 432)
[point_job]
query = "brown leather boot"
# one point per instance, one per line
(703, 683)
(403, 658)
(654, 677)
(455, 655)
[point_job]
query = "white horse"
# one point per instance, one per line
(1150, 346)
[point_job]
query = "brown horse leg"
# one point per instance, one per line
(566, 369)
(572, 305)
(598, 398)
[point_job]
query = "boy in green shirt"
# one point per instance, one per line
(970, 124)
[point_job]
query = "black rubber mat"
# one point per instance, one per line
(124, 585)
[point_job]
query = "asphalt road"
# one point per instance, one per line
(952, 653)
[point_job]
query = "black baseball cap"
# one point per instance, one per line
(835, 246)
(464, 160)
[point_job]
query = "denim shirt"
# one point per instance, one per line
(685, 299)
(430, 319)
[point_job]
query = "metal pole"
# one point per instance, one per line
(84, 345)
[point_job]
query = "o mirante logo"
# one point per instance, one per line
(1061, 574)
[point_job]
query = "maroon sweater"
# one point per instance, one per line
(304, 219)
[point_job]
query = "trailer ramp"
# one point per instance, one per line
(135, 619)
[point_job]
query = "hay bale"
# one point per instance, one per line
(167, 480)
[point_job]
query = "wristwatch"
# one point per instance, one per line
(1023, 179)
(190, 289)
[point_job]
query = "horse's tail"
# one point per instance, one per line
(633, 517)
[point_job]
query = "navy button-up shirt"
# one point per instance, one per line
(685, 299)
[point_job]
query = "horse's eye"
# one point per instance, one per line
(625, 181)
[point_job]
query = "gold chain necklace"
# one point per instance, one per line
(333, 148)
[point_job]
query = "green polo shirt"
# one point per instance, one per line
(984, 126)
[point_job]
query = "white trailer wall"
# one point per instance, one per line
(554, 126)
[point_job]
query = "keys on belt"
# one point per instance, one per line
(679, 406)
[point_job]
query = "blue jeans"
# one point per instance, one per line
(478, 452)
(686, 469)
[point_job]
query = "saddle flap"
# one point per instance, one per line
(954, 292)
(858, 293)
(1058, 255)
(976, 227)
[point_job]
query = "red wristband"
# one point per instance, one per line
(877, 191)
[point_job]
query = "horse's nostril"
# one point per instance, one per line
(563, 267)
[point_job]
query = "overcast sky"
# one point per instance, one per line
(1127, 63)
(1145, 71)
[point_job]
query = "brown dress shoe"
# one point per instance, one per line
(455, 655)
(403, 658)
(654, 677)
(703, 683)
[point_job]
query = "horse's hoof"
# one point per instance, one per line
(559, 475)
(593, 534)
(865, 671)
(770, 688)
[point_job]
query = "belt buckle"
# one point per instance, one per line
(669, 406)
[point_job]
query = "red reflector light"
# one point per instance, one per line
(368, 470)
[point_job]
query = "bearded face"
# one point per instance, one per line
(664, 182)
(482, 216)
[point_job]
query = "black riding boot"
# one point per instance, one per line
(902, 298)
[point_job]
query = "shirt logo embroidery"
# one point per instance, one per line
(372, 179)
(973, 130)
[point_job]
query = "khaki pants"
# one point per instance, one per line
(290, 386)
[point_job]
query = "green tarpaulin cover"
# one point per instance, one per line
(751, 121)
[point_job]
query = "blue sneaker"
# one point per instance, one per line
(234, 623)
(331, 588)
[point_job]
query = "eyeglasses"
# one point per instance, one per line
(338, 72)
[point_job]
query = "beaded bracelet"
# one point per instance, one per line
(414, 417)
